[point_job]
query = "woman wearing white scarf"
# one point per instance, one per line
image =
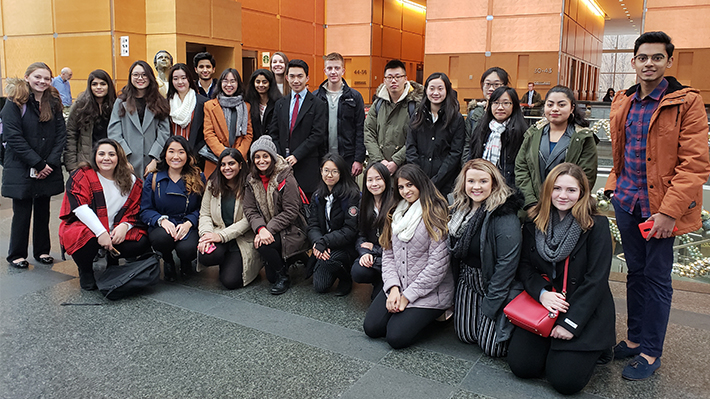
(418, 282)
(186, 107)
(499, 134)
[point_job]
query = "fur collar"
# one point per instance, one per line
(511, 205)
(416, 92)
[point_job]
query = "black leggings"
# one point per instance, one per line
(84, 256)
(230, 264)
(530, 356)
(20, 228)
(274, 265)
(401, 328)
(165, 244)
(327, 271)
(367, 275)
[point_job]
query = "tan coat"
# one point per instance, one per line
(217, 133)
(211, 221)
(677, 162)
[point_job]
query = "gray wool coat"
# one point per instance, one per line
(140, 142)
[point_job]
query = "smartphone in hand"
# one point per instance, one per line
(646, 227)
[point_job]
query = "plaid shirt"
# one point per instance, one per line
(631, 186)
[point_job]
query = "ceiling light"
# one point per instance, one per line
(594, 7)
(412, 5)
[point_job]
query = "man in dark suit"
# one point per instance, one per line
(298, 128)
(531, 101)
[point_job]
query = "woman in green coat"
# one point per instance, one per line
(562, 136)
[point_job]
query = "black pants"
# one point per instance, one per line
(401, 328)
(165, 244)
(327, 271)
(84, 257)
(231, 265)
(367, 275)
(20, 228)
(530, 356)
(274, 265)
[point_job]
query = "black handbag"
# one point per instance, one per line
(206, 153)
(120, 281)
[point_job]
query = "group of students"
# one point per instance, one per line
(435, 228)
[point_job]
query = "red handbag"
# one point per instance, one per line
(529, 314)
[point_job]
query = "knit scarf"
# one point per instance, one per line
(560, 239)
(462, 227)
(181, 110)
(493, 146)
(405, 219)
(235, 114)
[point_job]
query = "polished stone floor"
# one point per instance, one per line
(193, 339)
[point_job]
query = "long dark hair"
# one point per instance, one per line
(368, 220)
(123, 174)
(576, 117)
(450, 105)
(345, 187)
(190, 171)
(87, 108)
(222, 77)
(154, 101)
(252, 96)
(512, 139)
(190, 78)
(219, 184)
(435, 209)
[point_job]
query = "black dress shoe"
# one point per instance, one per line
(345, 285)
(24, 264)
(280, 286)
(169, 272)
(47, 260)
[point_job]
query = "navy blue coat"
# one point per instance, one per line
(177, 205)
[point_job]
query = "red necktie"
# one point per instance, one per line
(294, 114)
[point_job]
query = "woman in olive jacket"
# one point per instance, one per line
(541, 151)
(34, 130)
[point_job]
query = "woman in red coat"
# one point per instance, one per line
(100, 211)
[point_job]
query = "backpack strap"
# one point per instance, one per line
(412, 105)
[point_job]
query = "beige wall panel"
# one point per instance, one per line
(437, 63)
(82, 16)
(27, 17)
(264, 6)
(579, 42)
(226, 57)
(137, 52)
(20, 52)
(303, 10)
(688, 28)
(573, 5)
(130, 16)
(297, 36)
(320, 12)
(226, 20)
(508, 37)
(155, 43)
(392, 14)
(320, 41)
(439, 9)
(412, 47)
(193, 17)
(378, 71)
(260, 31)
(674, 3)
(377, 9)
(522, 7)
(2, 33)
(376, 41)
(413, 21)
(83, 54)
(444, 37)
(391, 43)
(348, 12)
(357, 72)
(160, 16)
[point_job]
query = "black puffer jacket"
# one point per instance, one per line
(32, 144)
(343, 224)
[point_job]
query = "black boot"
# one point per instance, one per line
(282, 284)
(169, 270)
(345, 283)
(87, 280)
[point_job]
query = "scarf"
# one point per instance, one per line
(462, 227)
(560, 239)
(181, 111)
(235, 112)
(405, 219)
(493, 146)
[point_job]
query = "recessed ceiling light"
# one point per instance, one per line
(623, 4)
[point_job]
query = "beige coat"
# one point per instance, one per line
(211, 221)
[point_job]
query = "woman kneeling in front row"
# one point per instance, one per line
(100, 210)
(565, 225)
(226, 239)
(418, 283)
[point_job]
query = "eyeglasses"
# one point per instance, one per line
(334, 172)
(495, 85)
(139, 76)
(656, 58)
(394, 78)
(505, 104)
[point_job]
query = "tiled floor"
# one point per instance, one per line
(195, 339)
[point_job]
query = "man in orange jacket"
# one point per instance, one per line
(659, 136)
